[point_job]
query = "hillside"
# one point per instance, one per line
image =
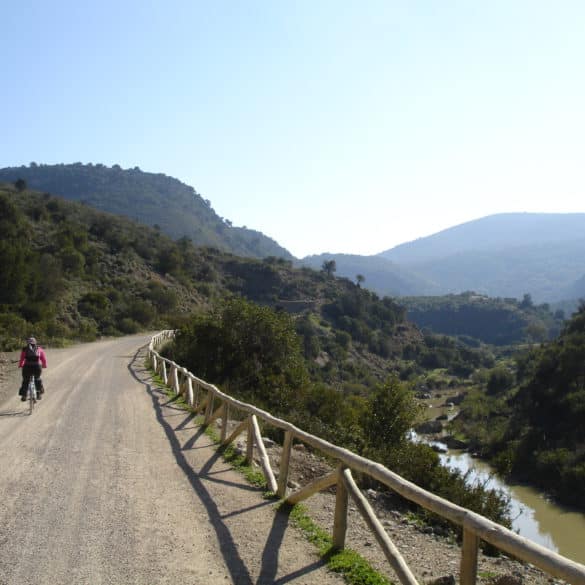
(528, 418)
(70, 271)
(496, 321)
(73, 272)
(149, 198)
(382, 276)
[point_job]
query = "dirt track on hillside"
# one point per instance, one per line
(109, 483)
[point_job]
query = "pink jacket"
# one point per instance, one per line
(42, 357)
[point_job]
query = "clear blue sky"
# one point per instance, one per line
(331, 126)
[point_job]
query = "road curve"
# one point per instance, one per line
(109, 483)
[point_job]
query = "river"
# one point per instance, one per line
(534, 516)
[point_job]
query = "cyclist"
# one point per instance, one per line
(32, 360)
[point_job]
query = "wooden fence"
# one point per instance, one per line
(208, 399)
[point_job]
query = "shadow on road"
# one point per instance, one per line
(15, 413)
(236, 566)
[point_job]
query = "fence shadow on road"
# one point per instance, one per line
(236, 566)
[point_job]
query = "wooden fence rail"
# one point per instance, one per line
(215, 404)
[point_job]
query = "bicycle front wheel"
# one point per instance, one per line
(32, 398)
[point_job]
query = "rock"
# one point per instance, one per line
(299, 447)
(430, 426)
(458, 399)
(268, 442)
(372, 493)
(445, 580)
(293, 485)
(454, 443)
(424, 395)
(438, 448)
(507, 580)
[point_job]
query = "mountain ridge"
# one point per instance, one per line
(501, 255)
(153, 199)
(492, 232)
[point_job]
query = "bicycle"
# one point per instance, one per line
(31, 393)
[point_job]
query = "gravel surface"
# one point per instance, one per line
(108, 483)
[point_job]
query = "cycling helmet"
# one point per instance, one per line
(31, 340)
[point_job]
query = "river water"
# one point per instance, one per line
(534, 516)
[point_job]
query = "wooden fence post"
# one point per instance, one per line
(209, 408)
(190, 400)
(393, 555)
(341, 505)
(175, 379)
(469, 558)
(264, 459)
(225, 421)
(250, 442)
(196, 396)
(284, 464)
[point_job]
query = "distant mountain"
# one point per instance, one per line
(499, 232)
(576, 290)
(504, 255)
(382, 276)
(149, 198)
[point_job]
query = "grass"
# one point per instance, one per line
(354, 568)
(348, 563)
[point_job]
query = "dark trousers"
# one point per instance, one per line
(27, 372)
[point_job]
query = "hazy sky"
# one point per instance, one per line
(331, 126)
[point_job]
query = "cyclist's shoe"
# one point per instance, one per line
(39, 395)
(23, 398)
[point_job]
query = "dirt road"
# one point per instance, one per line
(109, 483)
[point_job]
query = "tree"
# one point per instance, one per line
(253, 351)
(14, 253)
(20, 185)
(329, 267)
(526, 302)
(536, 332)
(360, 278)
(391, 414)
(500, 379)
